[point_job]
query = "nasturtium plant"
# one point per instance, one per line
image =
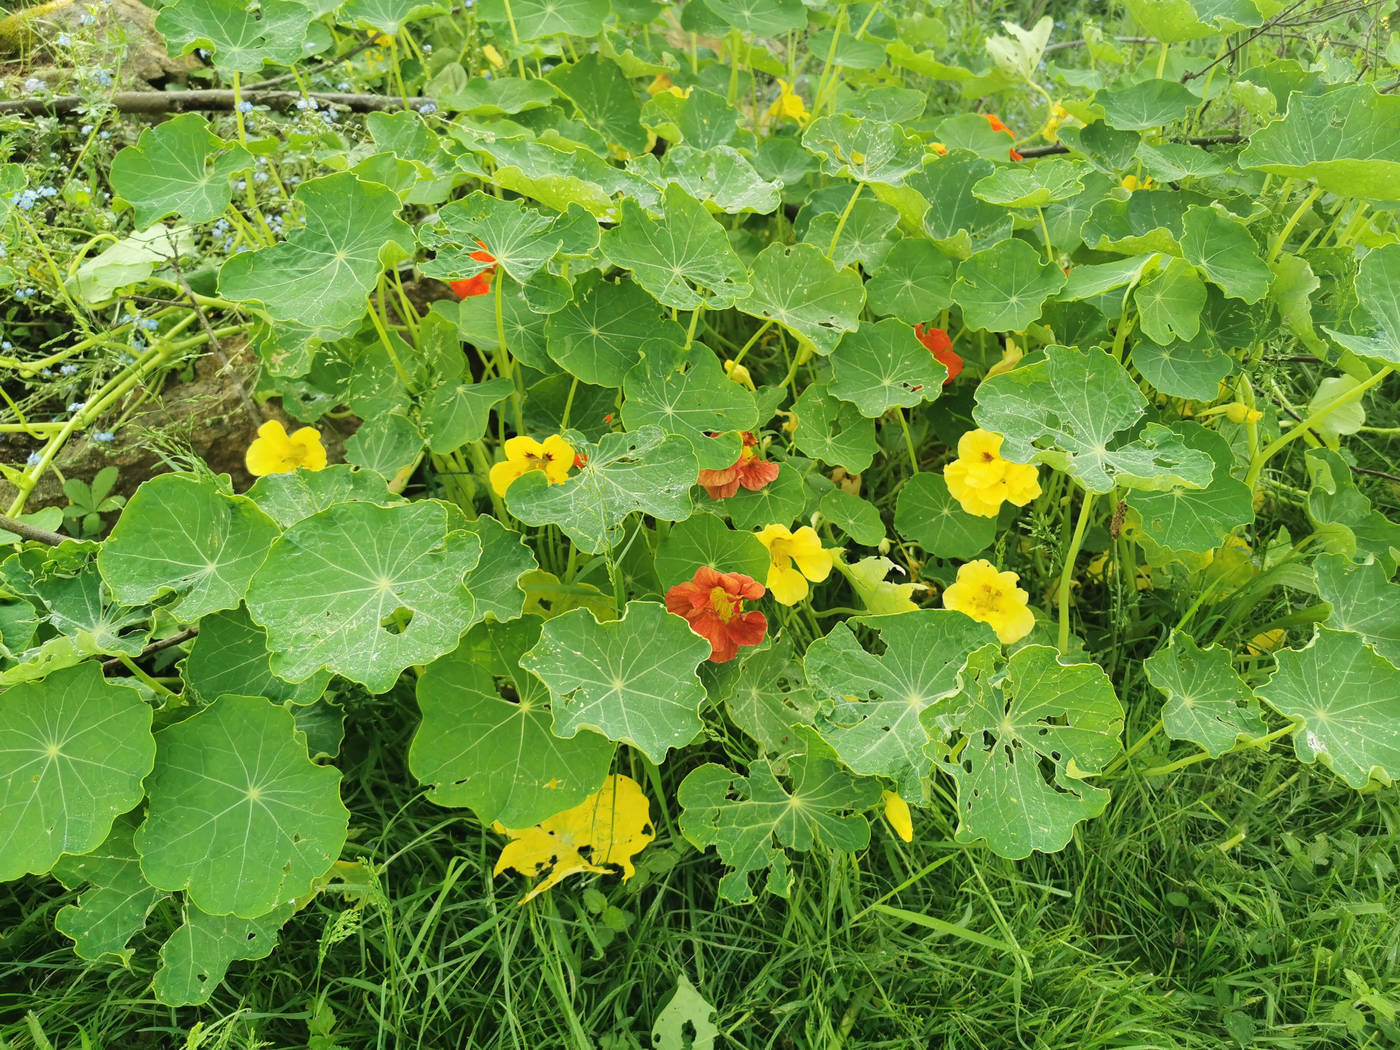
(567, 427)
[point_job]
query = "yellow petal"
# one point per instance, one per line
(519, 449)
(786, 584)
(307, 441)
(559, 459)
(806, 550)
(898, 815)
(504, 474)
(769, 533)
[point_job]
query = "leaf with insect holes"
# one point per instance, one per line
(883, 365)
(322, 274)
(74, 749)
(1346, 698)
(180, 168)
(185, 535)
(863, 150)
(114, 897)
(238, 36)
(633, 679)
(797, 286)
(198, 954)
(489, 746)
(1207, 702)
(1031, 733)
(365, 591)
(888, 706)
(522, 240)
(238, 816)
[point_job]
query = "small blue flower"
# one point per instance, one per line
(33, 460)
(68, 370)
(63, 40)
(76, 406)
(87, 129)
(33, 84)
(427, 107)
(259, 176)
(104, 77)
(104, 436)
(241, 185)
(245, 107)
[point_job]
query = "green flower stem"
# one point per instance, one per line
(752, 340)
(908, 440)
(142, 676)
(388, 343)
(248, 195)
(1276, 249)
(1067, 570)
(1356, 393)
(451, 475)
(569, 405)
(733, 42)
(504, 363)
(1045, 232)
(1202, 756)
(410, 314)
(482, 467)
(694, 323)
(1137, 746)
(841, 222)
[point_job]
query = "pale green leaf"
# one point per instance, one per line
(1207, 702)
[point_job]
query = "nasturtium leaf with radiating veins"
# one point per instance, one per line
(688, 394)
(887, 706)
(1106, 148)
(857, 518)
(1183, 368)
(230, 656)
(387, 443)
(1148, 221)
(971, 133)
(883, 365)
(797, 286)
(914, 282)
(1346, 698)
(1172, 21)
(1033, 185)
(239, 37)
(1378, 292)
(1347, 140)
(720, 175)
(521, 239)
(833, 431)
(74, 749)
(633, 679)
(1291, 292)
(1174, 161)
(863, 150)
(1226, 253)
(958, 222)
(683, 259)
(495, 582)
(701, 120)
(643, 470)
(115, 897)
(705, 540)
(769, 697)
(498, 96)
(185, 535)
(755, 18)
(605, 99)
(533, 19)
(1207, 702)
(781, 500)
(1080, 402)
(1196, 519)
(1343, 517)
(1090, 280)
(288, 498)
(497, 754)
(1004, 287)
(321, 275)
(1169, 302)
(1146, 104)
(365, 592)
(456, 414)
(388, 16)
(1364, 601)
(180, 168)
(599, 336)
(198, 954)
(752, 820)
(927, 514)
(239, 817)
(1033, 731)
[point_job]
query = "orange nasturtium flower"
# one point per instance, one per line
(523, 454)
(480, 284)
(981, 480)
(938, 344)
(795, 558)
(993, 598)
(748, 471)
(713, 604)
(997, 125)
(274, 451)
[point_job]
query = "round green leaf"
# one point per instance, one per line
(388, 16)
(198, 954)
(959, 223)
(321, 275)
(857, 518)
(74, 749)
(365, 592)
(239, 817)
(239, 37)
(760, 17)
(1363, 601)
(521, 239)
(781, 501)
(1170, 301)
(1378, 292)
(882, 366)
(863, 150)
(496, 754)
(1032, 185)
(833, 431)
(914, 282)
(599, 336)
(688, 394)
(180, 168)
(495, 582)
(633, 679)
(115, 900)
(1207, 702)
(230, 656)
(928, 514)
(1146, 104)
(797, 286)
(720, 175)
(1196, 519)
(605, 99)
(705, 540)
(1226, 253)
(1002, 288)
(184, 534)
(533, 19)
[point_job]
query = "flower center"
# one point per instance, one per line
(725, 604)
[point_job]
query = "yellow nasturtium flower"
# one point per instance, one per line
(662, 85)
(494, 57)
(523, 454)
(738, 374)
(274, 451)
(794, 558)
(1239, 412)
(981, 480)
(897, 813)
(1051, 131)
(993, 598)
(1266, 642)
(788, 104)
(1132, 182)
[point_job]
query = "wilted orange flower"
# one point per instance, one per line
(479, 284)
(941, 347)
(748, 470)
(713, 604)
(997, 125)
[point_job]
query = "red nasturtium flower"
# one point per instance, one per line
(941, 347)
(997, 125)
(748, 470)
(713, 604)
(481, 283)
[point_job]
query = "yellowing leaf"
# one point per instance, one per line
(601, 834)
